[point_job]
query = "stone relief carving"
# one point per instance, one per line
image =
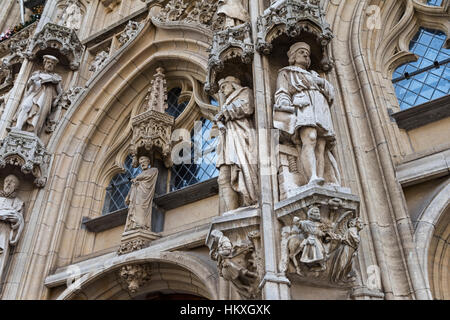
(60, 38)
(99, 61)
(66, 100)
(110, 5)
(323, 246)
(152, 129)
(238, 262)
(237, 153)
(11, 218)
(302, 113)
(135, 276)
(41, 98)
(129, 33)
(72, 15)
(3, 101)
(292, 17)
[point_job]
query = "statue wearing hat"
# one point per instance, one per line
(237, 148)
(302, 113)
(43, 93)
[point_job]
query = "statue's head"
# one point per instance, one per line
(314, 213)
(144, 162)
(356, 223)
(11, 184)
(300, 55)
(50, 62)
(228, 85)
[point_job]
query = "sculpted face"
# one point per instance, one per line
(144, 162)
(314, 213)
(10, 184)
(302, 58)
(49, 65)
(227, 88)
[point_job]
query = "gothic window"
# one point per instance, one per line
(176, 104)
(119, 187)
(202, 168)
(436, 3)
(426, 79)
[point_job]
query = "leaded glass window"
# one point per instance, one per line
(426, 79)
(436, 3)
(119, 187)
(202, 168)
(176, 107)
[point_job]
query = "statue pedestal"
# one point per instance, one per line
(136, 240)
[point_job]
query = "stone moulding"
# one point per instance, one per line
(25, 150)
(231, 43)
(291, 18)
(59, 38)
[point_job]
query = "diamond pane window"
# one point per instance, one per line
(175, 107)
(184, 175)
(119, 187)
(428, 78)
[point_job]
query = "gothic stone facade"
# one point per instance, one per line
(282, 165)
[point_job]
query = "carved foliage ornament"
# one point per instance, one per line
(131, 31)
(61, 38)
(135, 276)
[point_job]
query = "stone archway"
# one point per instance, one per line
(171, 274)
(432, 236)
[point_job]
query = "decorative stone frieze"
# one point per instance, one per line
(26, 151)
(292, 18)
(235, 244)
(61, 41)
(152, 129)
(135, 276)
(135, 240)
(130, 32)
(99, 61)
(320, 237)
(232, 44)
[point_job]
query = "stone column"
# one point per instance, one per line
(273, 285)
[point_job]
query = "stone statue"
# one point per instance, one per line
(140, 197)
(233, 12)
(99, 61)
(302, 113)
(234, 263)
(342, 270)
(237, 148)
(72, 15)
(43, 93)
(11, 218)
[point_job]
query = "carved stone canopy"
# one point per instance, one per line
(288, 21)
(60, 41)
(152, 129)
(26, 151)
(231, 53)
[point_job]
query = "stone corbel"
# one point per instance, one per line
(60, 41)
(320, 236)
(26, 151)
(291, 18)
(235, 244)
(234, 43)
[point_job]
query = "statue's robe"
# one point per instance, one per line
(140, 199)
(237, 147)
(39, 99)
(343, 262)
(313, 250)
(11, 226)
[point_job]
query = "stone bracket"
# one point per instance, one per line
(136, 240)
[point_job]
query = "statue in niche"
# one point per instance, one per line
(43, 94)
(237, 153)
(140, 197)
(11, 218)
(233, 13)
(236, 264)
(342, 270)
(302, 113)
(72, 15)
